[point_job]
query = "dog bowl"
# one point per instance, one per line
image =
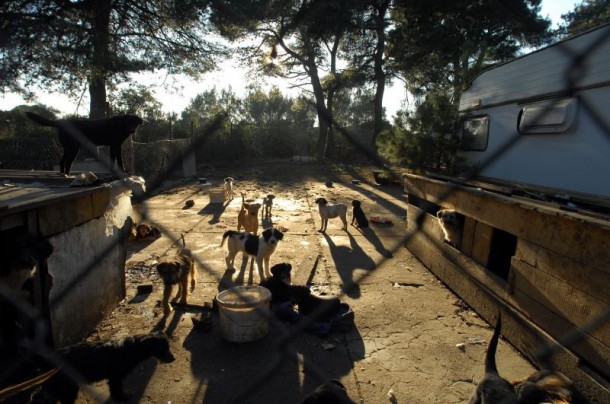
(203, 180)
(244, 313)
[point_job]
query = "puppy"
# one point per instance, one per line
(331, 211)
(144, 232)
(21, 252)
(331, 392)
(279, 283)
(261, 248)
(493, 389)
(358, 215)
(321, 308)
(248, 216)
(229, 194)
(74, 133)
(178, 269)
(268, 205)
(112, 360)
(451, 223)
(545, 386)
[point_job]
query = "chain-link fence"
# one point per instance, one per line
(583, 80)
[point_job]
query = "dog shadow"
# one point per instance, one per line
(347, 260)
(288, 372)
(214, 210)
(266, 222)
(226, 281)
(370, 235)
(229, 279)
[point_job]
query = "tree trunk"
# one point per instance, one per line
(99, 64)
(323, 117)
(380, 77)
(309, 64)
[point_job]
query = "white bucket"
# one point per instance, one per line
(217, 195)
(244, 313)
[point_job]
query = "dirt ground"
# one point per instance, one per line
(401, 349)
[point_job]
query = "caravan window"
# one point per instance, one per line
(552, 116)
(475, 131)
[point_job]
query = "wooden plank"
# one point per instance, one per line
(518, 330)
(516, 294)
(481, 246)
(468, 235)
(591, 281)
(582, 238)
(560, 309)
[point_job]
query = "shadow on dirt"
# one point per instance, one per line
(295, 360)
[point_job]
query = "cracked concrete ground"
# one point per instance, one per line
(402, 348)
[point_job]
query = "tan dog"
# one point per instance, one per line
(174, 270)
(229, 193)
(268, 205)
(248, 216)
(451, 223)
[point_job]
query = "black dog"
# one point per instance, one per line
(321, 308)
(73, 133)
(112, 360)
(358, 215)
(493, 388)
(331, 392)
(279, 283)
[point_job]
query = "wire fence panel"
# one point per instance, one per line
(583, 80)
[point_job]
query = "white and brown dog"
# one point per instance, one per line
(248, 216)
(177, 270)
(451, 223)
(268, 205)
(229, 193)
(261, 248)
(330, 212)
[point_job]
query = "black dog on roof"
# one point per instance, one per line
(73, 133)
(112, 360)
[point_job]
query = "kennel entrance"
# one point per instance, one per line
(84, 277)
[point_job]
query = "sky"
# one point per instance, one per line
(175, 93)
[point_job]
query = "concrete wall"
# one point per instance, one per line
(87, 271)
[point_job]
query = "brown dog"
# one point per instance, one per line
(177, 270)
(248, 216)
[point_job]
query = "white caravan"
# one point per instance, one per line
(542, 121)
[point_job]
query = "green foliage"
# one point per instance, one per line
(586, 15)
(66, 44)
(446, 42)
(425, 140)
(138, 100)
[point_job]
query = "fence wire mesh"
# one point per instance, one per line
(161, 160)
